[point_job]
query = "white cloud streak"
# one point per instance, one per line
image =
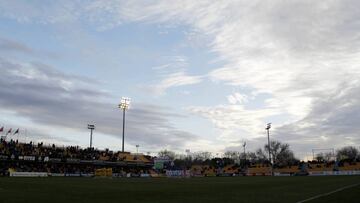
(174, 80)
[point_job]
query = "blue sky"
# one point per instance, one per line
(203, 76)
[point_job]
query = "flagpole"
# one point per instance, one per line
(2, 132)
(5, 134)
(8, 132)
(25, 135)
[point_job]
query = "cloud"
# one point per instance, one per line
(172, 74)
(237, 98)
(48, 97)
(10, 45)
(331, 123)
(235, 121)
(298, 53)
(174, 80)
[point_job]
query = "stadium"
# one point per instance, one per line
(41, 172)
(179, 101)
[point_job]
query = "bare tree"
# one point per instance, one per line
(328, 156)
(320, 157)
(251, 156)
(202, 156)
(260, 155)
(166, 153)
(233, 155)
(349, 152)
(281, 153)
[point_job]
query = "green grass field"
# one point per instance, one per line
(215, 189)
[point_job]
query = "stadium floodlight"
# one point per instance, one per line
(137, 148)
(244, 145)
(268, 134)
(91, 127)
(187, 151)
(124, 105)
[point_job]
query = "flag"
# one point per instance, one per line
(9, 131)
(1, 129)
(17, 131)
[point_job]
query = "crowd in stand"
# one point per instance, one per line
(74, 160)
(13, 148)
(52, 159)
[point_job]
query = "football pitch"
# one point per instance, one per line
(157, 190)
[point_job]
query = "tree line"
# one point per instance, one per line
(281, 156)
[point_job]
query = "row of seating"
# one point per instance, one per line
(259, 169)
(16, 149)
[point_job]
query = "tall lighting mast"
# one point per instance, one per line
(91, 127)
(137, 149)
(124, 105)
(244, 145)
(268, 132)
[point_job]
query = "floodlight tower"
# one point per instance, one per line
(137, 148)
(244, 145)
(268, 134)
(124, 105)
(91, 127)
(187, 152)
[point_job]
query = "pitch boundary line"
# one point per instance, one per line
(329, 193)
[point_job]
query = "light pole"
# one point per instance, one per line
(187, 151)
(91, 127)
(244, 145)
(124, 105)
(137, 149)
(268, 134)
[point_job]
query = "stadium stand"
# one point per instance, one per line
(258, 170)
(197, 170)
(320, 166)
(349, 166)
(289, 170)
(73, 160)
(30, 157)
(209, 171)
(231, 169)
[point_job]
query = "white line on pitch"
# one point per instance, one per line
(329, 193)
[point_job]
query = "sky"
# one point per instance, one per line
(201, 75)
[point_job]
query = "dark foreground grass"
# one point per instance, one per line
(216, 189)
